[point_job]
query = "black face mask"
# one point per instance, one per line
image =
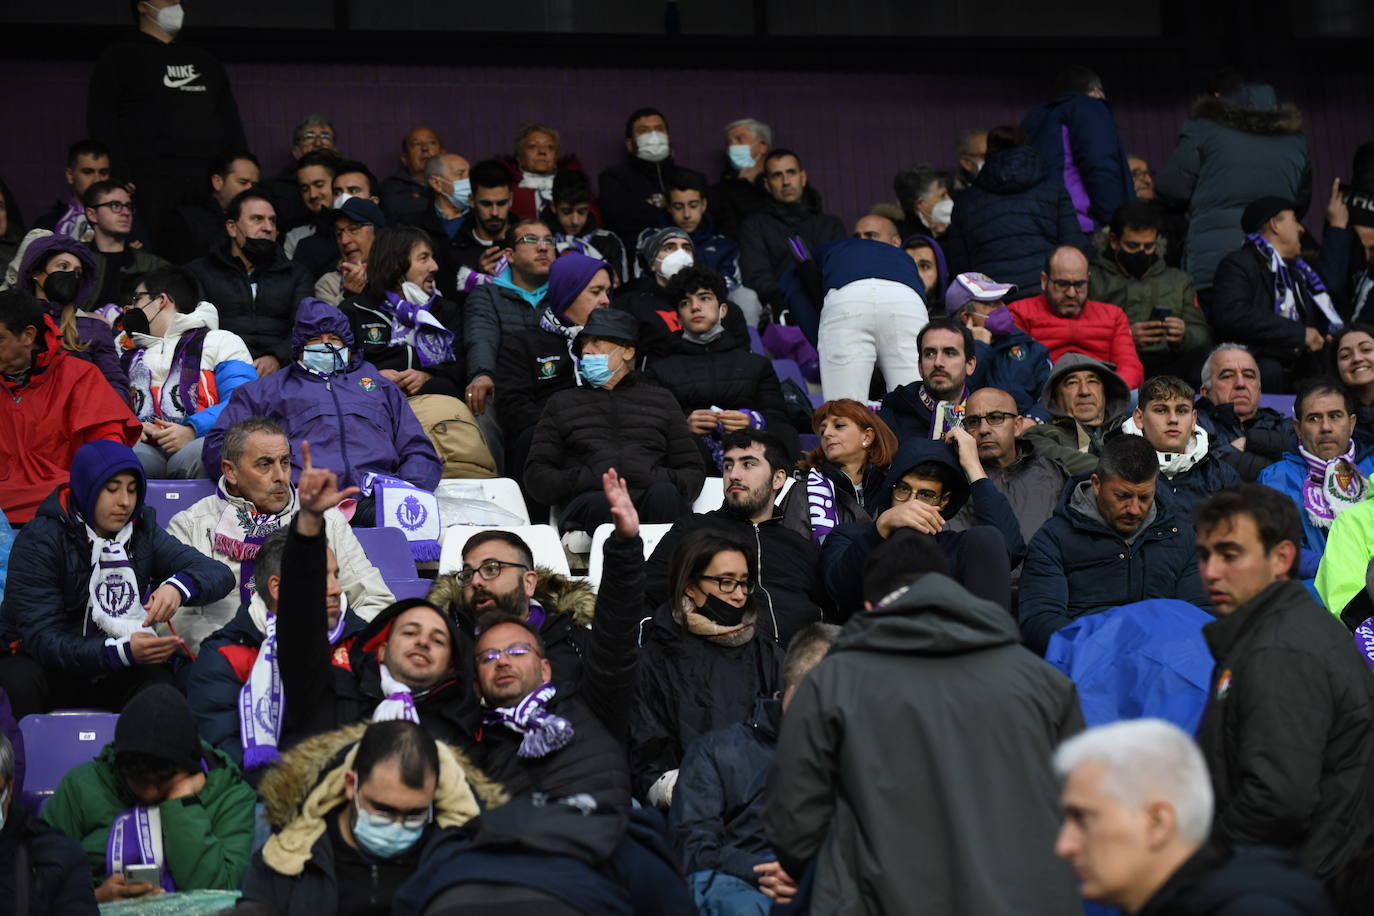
(62, 286)
(1135, 263)
(259, 252)
(134, 321)
(722, 612)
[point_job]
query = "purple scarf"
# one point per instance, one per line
(944, 415)
(73, 224)
(1288, 288)
(824, 507)
(136, 839)
(240, 533)
(416, 328)
(1331, 487)
(544, 732)
(1364, 640)
(174, 401)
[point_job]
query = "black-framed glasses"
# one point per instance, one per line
(116, 206)
(536, 240)
(132, 301)
(1065, 285)
(514, 650)
(902, 491)
(728, 584)
(994, 418)
(489, 569)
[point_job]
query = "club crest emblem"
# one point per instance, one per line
(1224, 684)
(411, 513)
(374, 334)
(116, 596)
(548, 365)
(367, 383)
(262, 713)
(1017, 352)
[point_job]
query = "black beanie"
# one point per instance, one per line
(158, 722)
(1261, 211)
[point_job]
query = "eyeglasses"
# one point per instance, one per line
(324, 135)
(352, 229)
(1141, 173)
(116, 206)
(132, 301)
(901, 492)
(994, 418)
(489, 569)
(536, 240)
(1065, 285)
(387, 817)
(513, 651)
(728, 584)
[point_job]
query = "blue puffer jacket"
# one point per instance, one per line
(1287, 476)
(1015, 213)
(1077, 565)
(1209, 475)
(356, 421)
(1077, 137)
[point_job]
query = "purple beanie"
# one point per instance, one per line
(568, 277)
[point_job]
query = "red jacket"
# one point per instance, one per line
(65, 403)
(1101, 331)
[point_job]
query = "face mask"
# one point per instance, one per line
(652, 147)
(1135, 263)
(674, 262)
(461, 194)
(941, 213)
(341, 200)
(387, 841)
(62, 286)
(325, 359)
(170, 19)
(721, 611)
(596, 369)
(978, 166)
(259, 252)
(740, 157)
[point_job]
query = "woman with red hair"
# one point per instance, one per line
(844, 472)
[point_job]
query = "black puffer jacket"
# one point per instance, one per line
(491, 314)
(1287, 732)
(58, 879)
(452, 255)
(636, 428)
(688, 686)
(371, 325)
(1267, 436)
(764, 252)
(659, 326)
(1251, 880)
(262, 318)
(532, 367)
(1243, 308)
(1015, 214)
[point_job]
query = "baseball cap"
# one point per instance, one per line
(968, 287)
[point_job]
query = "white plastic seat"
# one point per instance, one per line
(649, 534)
(502, 491)
(711, 496)
(543, 540)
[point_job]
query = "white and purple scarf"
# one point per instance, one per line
(409, 509)
(541, 185)
(135, 838)
(179, 393)
(543, 731)
(413, 326)
(944, 415)
(1287, 287)
(1332, 486)
(399, 703)
(824, 508)
(73, 223)
(115, 604)
(239, 534)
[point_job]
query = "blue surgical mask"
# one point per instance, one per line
(596, 369)
(325, 359)
(461, 194)
(383, 839)
(740, 157)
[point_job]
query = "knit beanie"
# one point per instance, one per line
(158, 722)
(92, 467)
(648, 249)
(568, 277)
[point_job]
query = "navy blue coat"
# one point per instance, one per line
(1209, 475)
(1077, 565)
(1017, 363)
(1094, 165)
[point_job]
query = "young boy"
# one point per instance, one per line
(573, 222)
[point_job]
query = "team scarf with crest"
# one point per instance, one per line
(944, 415)
(412, 511)
(1332, 486)
(115, 604)
(240, 532)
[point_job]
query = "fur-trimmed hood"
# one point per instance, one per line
(300, 790)
(1274, 120)
(556, 592)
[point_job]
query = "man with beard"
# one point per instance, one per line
(931, 407)
(789, 590)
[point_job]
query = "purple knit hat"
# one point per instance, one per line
(568, 277)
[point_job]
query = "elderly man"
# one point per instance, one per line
(923, 192)
(254, 498)
(1230, 411)
(447, 222)
(1065, 320)
(1086, 401)
(1138, 805)
(406, 193)
(933, 404)
(1116, 538)
(739, 192)
(1008, 357)
(1328, 469)
(1188, 458)
(357, 220)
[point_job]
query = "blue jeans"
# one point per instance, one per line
(718, 894)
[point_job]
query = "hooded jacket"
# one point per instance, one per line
(295, 871)
(57, 880)
(1078, 564)
(1233, 149)
(1100, 331)
(765, 251)
(1064, 438)
(92, 333)
(371, 319)
(355, 420)
(44, 419)
(259, 307)
(1012, 217)
(1161, 286)
(929, 661)
(1287, 476)
(47, 594)
(1077, 137)
(1287, 732)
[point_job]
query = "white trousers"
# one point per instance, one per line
(864, 323)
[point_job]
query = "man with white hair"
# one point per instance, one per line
(1137, 806)
(1230, 411)
(740, 190)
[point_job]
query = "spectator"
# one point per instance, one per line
(321, 252)
(315, 133)
(1287, 732)
(862, 303)
(61, 272)
(331, 397)
(477, 245)
(1172, 216)
(1267, 297)
(55, 404)
(633, 192)
(110, 212)
(971, 153)
(575, 225)
(88, 161)
(553, 741)
(1138, 806)
(929, 258)
(74, 616)
(533, 169)
(1343, 574)
(923, 192)
(740, 192)
(198, 226)
(765, 237)
(844, 472)
(315, 187)
(1188, 459)
(253, 499)
(720, 384)
(166, 110)
(1238, 144)
(1349, 235)
(535, 365)
(179, 333)
(1230, 411)
(1014, 215)
(1327, 471)
(827, 788)
(253, 286)
(1142, 177)
(1086, 402)
(11, 225)
(789, 590)
(191, 813)
(1170, 331)
(232, 675)
(357, 221)
(1076, 135)
(933, 405)
(717, 817)
(1065, 320)
(1007, 357)
(1353, 348)
(1116, 538)
(703, 659)
(406, 193)
(355, 814)
(449, 221)
(879, 228)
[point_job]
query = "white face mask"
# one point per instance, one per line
(170, 19)
(942, 212)
(652, 146)
(674, 262)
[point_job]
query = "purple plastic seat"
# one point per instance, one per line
(168, 497)
(389, 551)
(788, 369)
(56, 742)
(409, 588)
(756, 342)
(809, 441)
(1283, 403)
